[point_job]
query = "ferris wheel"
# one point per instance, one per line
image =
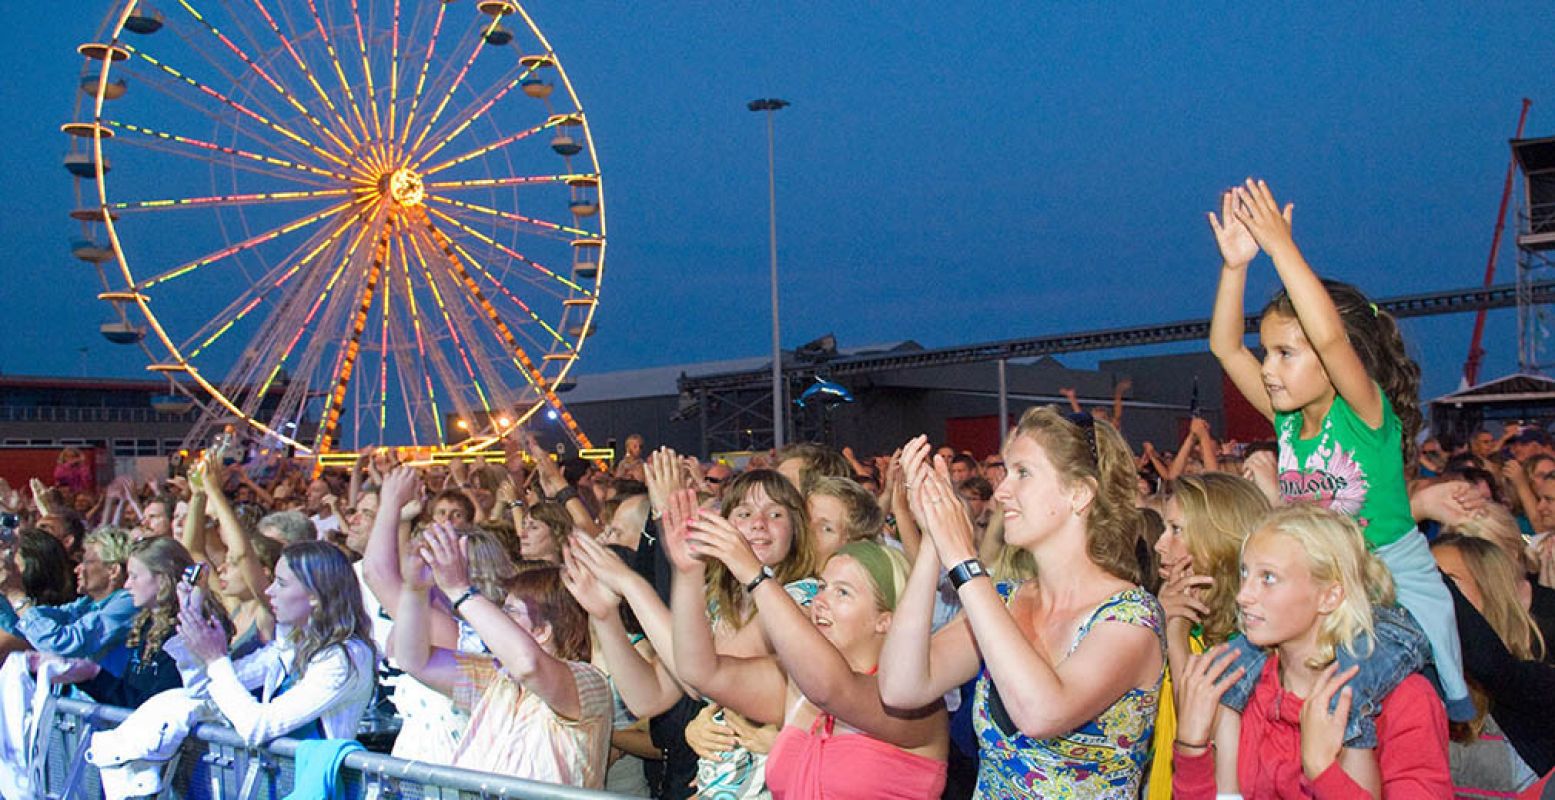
(342, 223)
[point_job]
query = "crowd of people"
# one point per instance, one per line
(1353, 609)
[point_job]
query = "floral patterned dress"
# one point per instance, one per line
(1103, 758)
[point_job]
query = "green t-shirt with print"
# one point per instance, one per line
(1350, 468)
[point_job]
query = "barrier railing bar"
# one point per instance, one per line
(364, 764)
(78, 758)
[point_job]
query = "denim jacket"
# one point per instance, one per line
(1399, 648)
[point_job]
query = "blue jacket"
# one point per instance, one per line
(82, 628)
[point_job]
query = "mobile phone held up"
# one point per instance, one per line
(192, 574)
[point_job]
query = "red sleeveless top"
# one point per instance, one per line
(818, 763)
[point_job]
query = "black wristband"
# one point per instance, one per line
(468, 593)
(765, 573)
(565, 494)
(965, 571)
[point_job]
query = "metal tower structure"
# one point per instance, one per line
(1535, 251)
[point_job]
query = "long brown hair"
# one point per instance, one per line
(1219, 511)
(723, 589)
(338, 616)
(1497, 577)
(1087, 450)
(1376, 339)
(47, 577)
(166, 559)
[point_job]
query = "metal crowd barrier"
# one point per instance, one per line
(215, 763)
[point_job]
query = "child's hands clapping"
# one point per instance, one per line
(1237, 246)
(1263, 217)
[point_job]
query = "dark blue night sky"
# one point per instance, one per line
(948, 172)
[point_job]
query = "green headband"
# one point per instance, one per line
(875, 561)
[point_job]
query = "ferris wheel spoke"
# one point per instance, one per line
(334, 60)
(536, 223)
(516, 300)
(517, 256)
(274, 357)
(307, 72)
(421, 80)
(256, 292)
(345, 363)
(247, 244)
(367, 70)
(499, 183)
(480, 42)
(484, 351)
(480, 151)
(209, 149)
(254, 67)
(241, 108)
(445, 313)
(257, 137)
(394, 70)
(383, 345)
(466, 116)
(255, 198)
(241, 89)
(413, 322)
(235, 163)
(520, 357)
(264, 360)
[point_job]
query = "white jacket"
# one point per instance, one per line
(26, 712)
(336, 690)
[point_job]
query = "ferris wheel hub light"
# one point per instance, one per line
(403, 186)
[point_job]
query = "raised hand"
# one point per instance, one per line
(592, 594)
(1261, 469)
(681, 512)
(204, 638)
(402, 490)
(695, 477)
(445, 552)
(945, 516)
(1237, 246)
(915, 467)
(41, 497)
(1447, 502)
(1322, 729)
(1208, 676)
(600, 561)
(662, 474)
(415, 571)
(507, 492)
(1256, 209)
(712, 536)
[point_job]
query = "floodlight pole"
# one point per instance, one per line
(769, 105)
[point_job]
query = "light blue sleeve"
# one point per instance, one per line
(91, 632)
(7, 615)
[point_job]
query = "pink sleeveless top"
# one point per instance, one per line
(841, 766)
